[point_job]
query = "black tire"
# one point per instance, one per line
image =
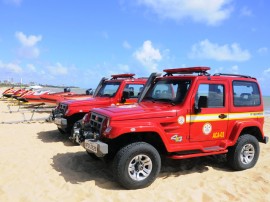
(139, 157)
(93, 156)
(244, 154)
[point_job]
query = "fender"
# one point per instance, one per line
(136, 127)
(76, 111)
(239, 127)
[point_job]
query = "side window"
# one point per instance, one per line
(211, 94)
(134, 90)
(246, 93)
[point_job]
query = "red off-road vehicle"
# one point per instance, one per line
(183, 114)
(120, 89)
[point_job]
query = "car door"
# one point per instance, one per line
(209, 114)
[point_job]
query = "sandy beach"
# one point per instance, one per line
(37, 163)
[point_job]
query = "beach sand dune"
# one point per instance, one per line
(37, 163)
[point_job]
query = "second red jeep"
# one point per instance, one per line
(120, 89)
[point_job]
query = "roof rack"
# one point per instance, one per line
(187, 70)
(236, 75)
(116, 76)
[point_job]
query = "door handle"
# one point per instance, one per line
(222, 116)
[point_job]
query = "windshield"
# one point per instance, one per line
(108, 89)
(173, 91)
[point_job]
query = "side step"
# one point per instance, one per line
(214, 148)
(207, 152)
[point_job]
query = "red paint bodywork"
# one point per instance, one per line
(162, 119)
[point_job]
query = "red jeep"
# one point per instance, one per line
(120, 89)
(185, 113)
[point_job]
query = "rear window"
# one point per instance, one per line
(246, 93)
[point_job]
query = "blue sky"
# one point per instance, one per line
(79, 42)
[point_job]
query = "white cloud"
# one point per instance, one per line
(28, 47)
(245, 11)
(210, 12)
(57, 69)
(148, 56)
(11, 67)
(29, 41)
(126, 45)
(208, 50)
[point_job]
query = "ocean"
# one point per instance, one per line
(266, 102)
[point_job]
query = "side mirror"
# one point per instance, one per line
(202, 103)
(125, 96)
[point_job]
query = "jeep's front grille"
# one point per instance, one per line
(96, 122)
(61, 109)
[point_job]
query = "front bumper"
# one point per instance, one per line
(89, 141)
(100, 149)
(265, 139)
(60, 122)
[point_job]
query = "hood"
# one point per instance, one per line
(144, 110)
(90, 101)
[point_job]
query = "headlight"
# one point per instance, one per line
(108, 129)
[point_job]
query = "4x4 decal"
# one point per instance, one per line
(177, 138)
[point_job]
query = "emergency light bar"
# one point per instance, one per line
(188, 70)
(116, 76)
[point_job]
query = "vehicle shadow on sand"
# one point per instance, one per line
(178, 168)
(54, 136)
(80, 167)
